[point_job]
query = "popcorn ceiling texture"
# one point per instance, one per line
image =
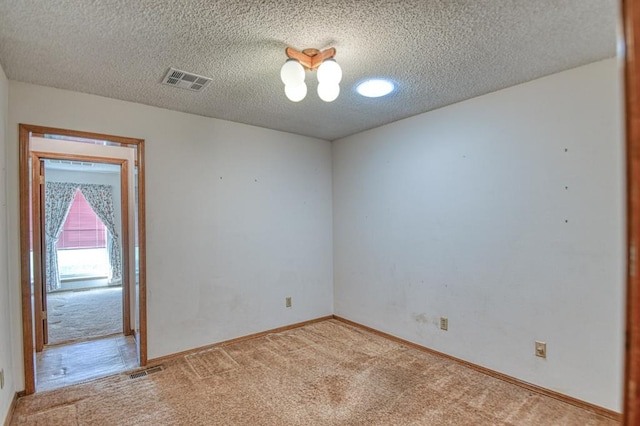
(438, 52)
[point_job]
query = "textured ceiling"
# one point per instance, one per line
(437, 51)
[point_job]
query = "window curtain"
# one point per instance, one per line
(58, 199)
(100, 198)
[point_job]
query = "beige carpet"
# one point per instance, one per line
(78, 315)
(327, 373)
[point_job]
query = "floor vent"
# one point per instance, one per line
(146, 372)
(185, 80)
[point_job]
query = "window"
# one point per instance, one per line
(82, 243)
(82, 228)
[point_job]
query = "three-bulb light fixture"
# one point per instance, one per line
(293, 73)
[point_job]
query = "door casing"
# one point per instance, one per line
(25, 157)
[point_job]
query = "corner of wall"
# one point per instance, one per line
(7, 393)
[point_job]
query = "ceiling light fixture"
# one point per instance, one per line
(375, 88)
(292, 73)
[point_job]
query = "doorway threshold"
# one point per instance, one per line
(63, 365)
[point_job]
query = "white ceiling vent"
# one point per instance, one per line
(185, 80)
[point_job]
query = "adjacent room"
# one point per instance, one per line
(83, 292)
(259, 212)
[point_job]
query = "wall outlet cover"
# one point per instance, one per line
(541, 349)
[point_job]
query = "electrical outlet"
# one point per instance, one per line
(541, 349)
(444, 323)
(287, 302)
(1, 378)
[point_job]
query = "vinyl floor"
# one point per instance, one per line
(68, 364)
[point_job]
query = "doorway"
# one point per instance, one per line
(83, 279)
(103, 253)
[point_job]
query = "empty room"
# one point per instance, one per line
(409, 212)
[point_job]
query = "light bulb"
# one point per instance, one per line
(329, 72)
(295, 92)
(328, 92)
(292, 72)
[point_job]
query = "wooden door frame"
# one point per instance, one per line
(631, 27)
(38, 248)
(25, 155)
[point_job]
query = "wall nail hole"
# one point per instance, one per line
(566, 221)
(566, 150)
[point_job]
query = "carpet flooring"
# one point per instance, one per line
(79, 315)
(326, 373)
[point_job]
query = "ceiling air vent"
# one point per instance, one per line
(185, 80)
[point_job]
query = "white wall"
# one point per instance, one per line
(6, 352)
(463, 212)
(238, 217)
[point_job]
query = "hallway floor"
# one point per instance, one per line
(63, 365)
